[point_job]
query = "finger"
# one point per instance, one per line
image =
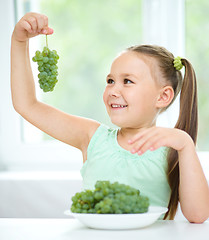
(33, 22)
(47, 31)
(149, 136)
(138, 136)
(152, 144)
(40, 24)
(45, 20)
(42, 21)
(25, 25)
(139, 145)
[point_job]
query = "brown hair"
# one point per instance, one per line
(188, 117)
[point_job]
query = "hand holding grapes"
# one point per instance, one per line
(31, 25)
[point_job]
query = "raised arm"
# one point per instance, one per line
(70, 129)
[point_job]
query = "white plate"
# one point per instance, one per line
(119, 221)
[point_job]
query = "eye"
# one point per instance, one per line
(110, 81)
(127, 81)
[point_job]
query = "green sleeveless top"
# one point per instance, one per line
(107, 160)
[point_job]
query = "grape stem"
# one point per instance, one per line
(46, 41)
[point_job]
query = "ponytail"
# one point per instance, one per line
(188, 122)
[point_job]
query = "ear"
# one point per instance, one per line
(165, 97)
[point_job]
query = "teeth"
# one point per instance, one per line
(118, 106)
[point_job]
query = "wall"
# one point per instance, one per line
(37, 194)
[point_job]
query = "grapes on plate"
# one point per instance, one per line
(110, 198)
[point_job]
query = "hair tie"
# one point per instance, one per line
(177, 63)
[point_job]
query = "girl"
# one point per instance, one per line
(143, 82)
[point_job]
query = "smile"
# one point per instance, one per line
(118, 106)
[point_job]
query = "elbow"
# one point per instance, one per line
(15, 105)
(22, 108)
(197, 218)
(17, 108)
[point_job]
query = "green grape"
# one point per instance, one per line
(45, 59)
(47, 67)
(41, 69)
(110, 198)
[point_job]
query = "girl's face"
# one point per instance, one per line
(131, 93)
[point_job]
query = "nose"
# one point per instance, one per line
(115, 91)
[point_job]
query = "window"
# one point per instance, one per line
(197, 35)
(88, 35)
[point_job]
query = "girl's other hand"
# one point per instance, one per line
(156, 137)
(31, 25)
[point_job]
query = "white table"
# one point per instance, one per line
(71, 229)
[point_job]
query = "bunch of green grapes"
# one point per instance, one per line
(47, 66)
(110, 198)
